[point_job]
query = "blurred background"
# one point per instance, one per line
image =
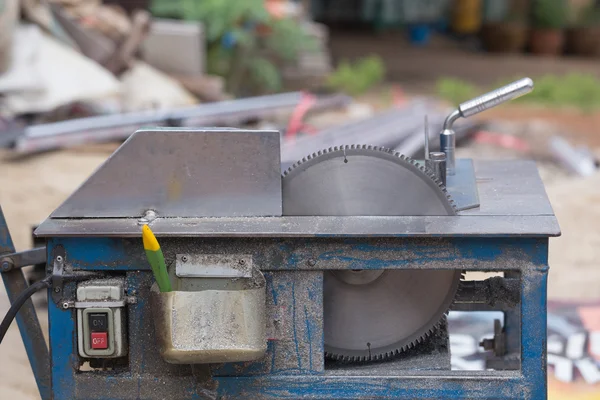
(77, 77)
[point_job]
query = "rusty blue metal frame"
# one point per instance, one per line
(293, 366)
(27, 320)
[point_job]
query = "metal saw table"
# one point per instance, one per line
(506, 231)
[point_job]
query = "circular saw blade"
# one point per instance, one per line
(371, 316)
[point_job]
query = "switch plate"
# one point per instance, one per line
(88, 349)
(99, 315)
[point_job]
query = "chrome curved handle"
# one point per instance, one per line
(489, 100)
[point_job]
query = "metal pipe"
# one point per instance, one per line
(27, 320)
(386, 129)
(475, 106)
(120, 126)
(574, 160)
(495, 97)
(448, 147)
(454, 115)
(23, 259)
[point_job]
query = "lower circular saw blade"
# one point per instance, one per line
(372, 315)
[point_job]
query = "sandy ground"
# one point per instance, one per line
(30, 189)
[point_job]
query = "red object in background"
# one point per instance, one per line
(276, 8)
(295, 124)
(398, 96)
(99, 340)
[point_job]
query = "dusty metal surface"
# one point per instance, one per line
(496, 293)
(183, 172)
(213, 266)
(317, 254)
(211, 326)
(510, 188)
(512, 196)
(462, 186)
(293, 364)
(457, 226)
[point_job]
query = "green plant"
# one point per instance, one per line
(455, 90)
(581, 91)
(588, 16)
(550, 14)
(575, 90)
(358, 77)
(244, 42)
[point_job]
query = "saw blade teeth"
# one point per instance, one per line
(418, 169)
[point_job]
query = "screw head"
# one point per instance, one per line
(242, 262)
(184, 258)
(56, 290)
(65, 305)
(59, 258)
(312, 262)
(5, 266)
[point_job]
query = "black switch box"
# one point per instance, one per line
(98, 322)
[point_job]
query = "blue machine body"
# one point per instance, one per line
(503, 227)
(294, 366)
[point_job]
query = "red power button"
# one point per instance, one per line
(99, 340)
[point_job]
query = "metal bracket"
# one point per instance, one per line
(99, 304)
(213, 265)
(22, 259)
(493, 294)
(498, 343)
(89, 304)
(58, 269)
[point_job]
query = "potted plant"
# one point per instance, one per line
(583, 38)
(549, 18)
(506, 36)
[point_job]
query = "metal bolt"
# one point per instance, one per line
(6, 266)
(56, 290)
(59, 258)
(312, 262)
(148, 217)
(131, 300)
(242, 262)
(65, 305)
(184, 258)
(487, 344)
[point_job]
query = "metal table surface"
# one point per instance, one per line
(513, 202)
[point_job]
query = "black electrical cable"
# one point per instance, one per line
(18, 303)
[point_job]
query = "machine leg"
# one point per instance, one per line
(534, 334)
(27, 319)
